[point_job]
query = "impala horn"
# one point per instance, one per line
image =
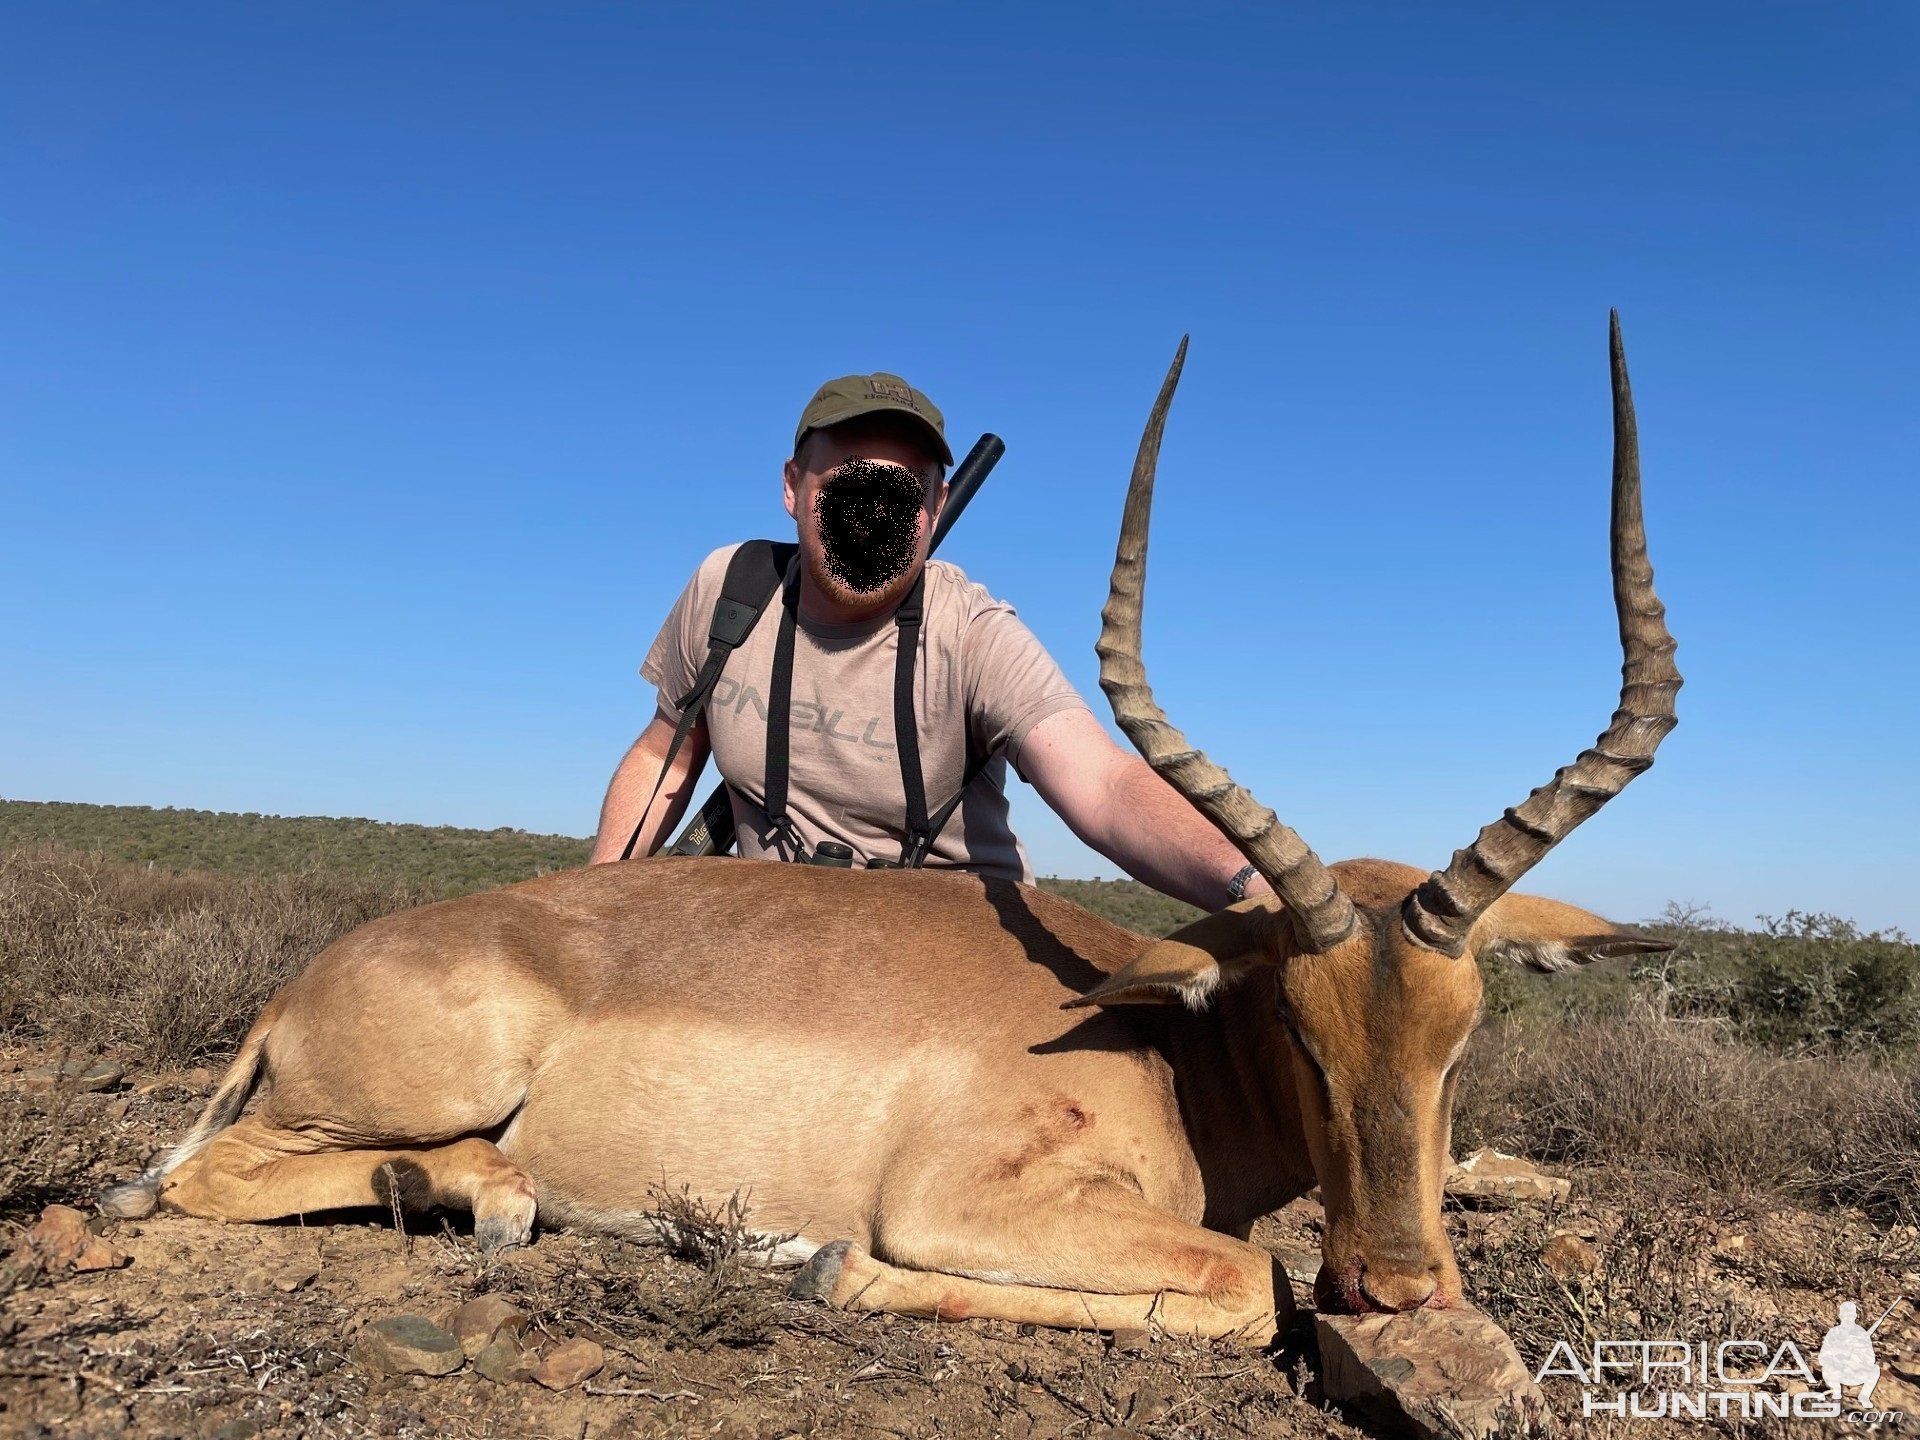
(1320, 914)
(1440, 913)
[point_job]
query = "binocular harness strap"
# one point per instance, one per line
(906, 734)
(756, 572)
(779, 723)
(753, 574)
(922, 830)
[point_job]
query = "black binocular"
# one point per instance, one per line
(832, 852)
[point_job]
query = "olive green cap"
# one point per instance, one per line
(852, 396)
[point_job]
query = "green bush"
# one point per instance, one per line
(1801, 984)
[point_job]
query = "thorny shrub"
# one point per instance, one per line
(49, 1145)
(1652, 1273)
(96, 954)
(721, 1297)
(1801, 984)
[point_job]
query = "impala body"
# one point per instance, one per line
(958, 1096)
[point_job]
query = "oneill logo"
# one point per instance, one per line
(803, 715)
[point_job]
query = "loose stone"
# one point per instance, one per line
(569, 1364)
(408, 1345)
(1444, 1374)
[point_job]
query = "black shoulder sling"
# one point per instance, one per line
(753, 575)
(757, 570)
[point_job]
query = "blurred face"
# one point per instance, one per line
(864, 498)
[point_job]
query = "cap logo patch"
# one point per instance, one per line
(890, 390)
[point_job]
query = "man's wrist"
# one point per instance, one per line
(1238, 888)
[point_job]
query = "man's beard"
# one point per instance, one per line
(868, 519)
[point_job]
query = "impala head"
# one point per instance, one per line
(1371, 965)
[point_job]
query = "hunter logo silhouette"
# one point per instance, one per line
(1846, 1354)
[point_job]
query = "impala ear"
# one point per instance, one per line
(1548, 935)
(1187, 966)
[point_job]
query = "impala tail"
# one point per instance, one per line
(139, 1197)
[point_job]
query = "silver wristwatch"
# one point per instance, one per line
(1237, 887)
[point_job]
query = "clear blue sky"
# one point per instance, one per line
(374, 376)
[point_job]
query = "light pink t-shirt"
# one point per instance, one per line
(979, 668)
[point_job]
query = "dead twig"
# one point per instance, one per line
(661, 1395)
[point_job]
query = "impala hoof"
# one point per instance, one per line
(816, 1278)
(130, 1200)
(501, 1232)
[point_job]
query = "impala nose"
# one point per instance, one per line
(1389, 1287)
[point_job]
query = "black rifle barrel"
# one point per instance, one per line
(966, 482)
(710, 832)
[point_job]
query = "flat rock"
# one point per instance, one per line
(80, 1075)
(295, 1277)
(1488, 1174)
(1445, 1374)
(504, 1362)
(60, 1240)
(569, 1364)
(286, 1279)
(407, 1345)
(478, 1323)
(1131, 1341)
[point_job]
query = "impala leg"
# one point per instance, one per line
(1108, 1262)
(255, 1172)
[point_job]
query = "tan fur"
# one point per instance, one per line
(874, 1057)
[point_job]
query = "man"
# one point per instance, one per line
(865, 486)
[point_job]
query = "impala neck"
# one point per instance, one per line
(1234, 1077)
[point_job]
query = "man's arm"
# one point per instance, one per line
(633, 782)
(1114, 802)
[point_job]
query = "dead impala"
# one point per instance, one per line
(948, 1088)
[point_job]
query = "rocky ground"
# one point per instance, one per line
(197, 1329)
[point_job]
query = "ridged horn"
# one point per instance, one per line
(1320, 915)
(1441, 912)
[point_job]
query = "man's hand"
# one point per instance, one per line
(633, 782)
(1114, 802)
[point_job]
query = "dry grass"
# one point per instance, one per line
(723, 1296)
(98, 955)
(1654, 1272)
(1658, 1096)
(49, 1146)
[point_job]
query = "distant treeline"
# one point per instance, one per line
(440, 859)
